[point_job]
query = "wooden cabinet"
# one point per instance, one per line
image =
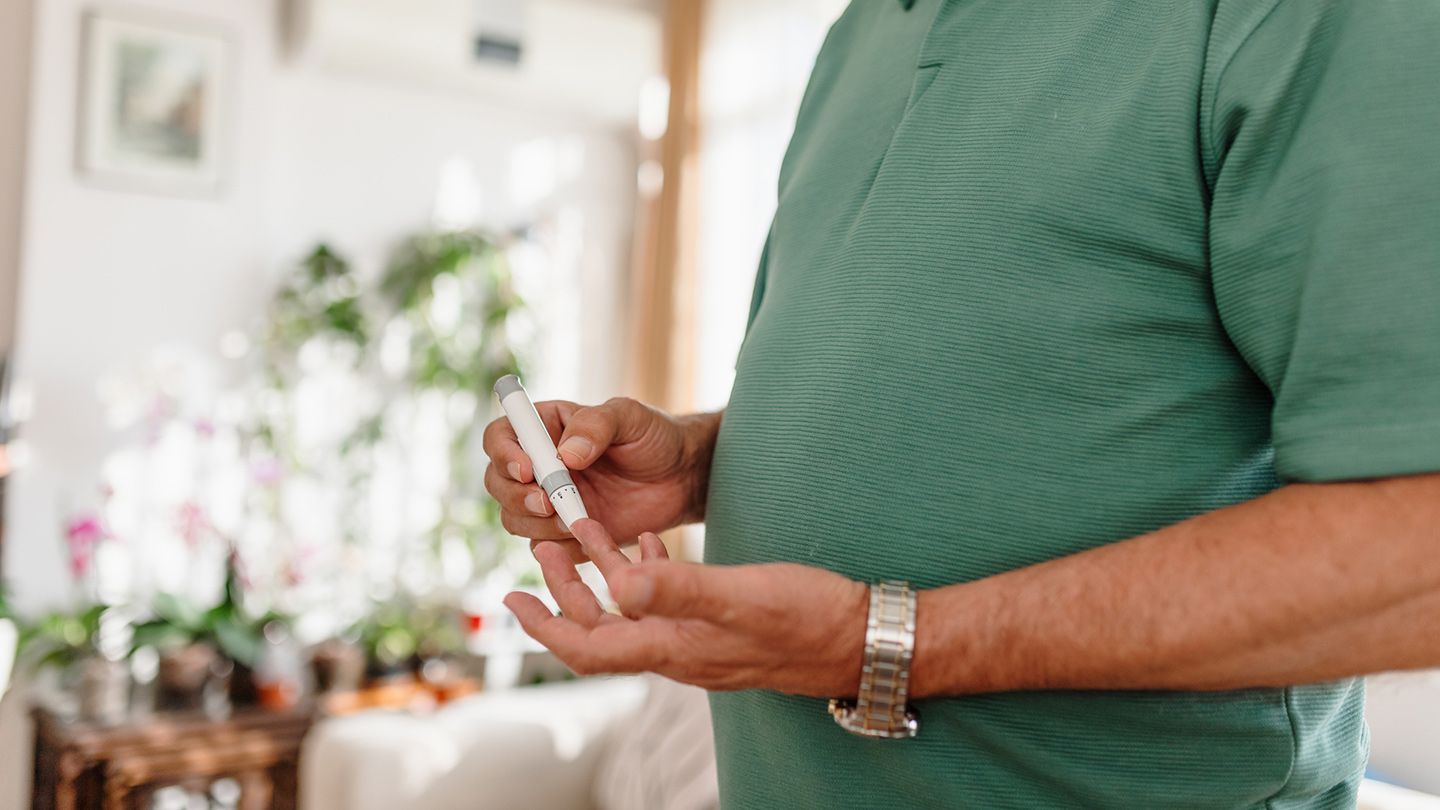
(90, 766)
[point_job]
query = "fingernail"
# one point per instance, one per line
(535, 502)
(580, 537)
(578, 447)
(514, 469)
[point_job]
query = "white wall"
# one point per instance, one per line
(107, 275)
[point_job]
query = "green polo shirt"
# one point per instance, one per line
(1049, 275)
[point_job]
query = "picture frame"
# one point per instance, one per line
(155, 99)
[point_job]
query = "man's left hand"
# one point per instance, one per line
(785, 627)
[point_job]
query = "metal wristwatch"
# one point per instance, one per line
(881, 709)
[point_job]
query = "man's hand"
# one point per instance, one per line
(643, 470)
(784, 627)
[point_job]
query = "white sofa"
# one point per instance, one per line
(520, 748)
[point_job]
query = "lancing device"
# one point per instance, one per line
(550, 471)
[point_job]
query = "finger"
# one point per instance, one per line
(574, 597)
(532, 527)
(555, 413)
(600, 547)
(570, 546)
(504, 451)
(515, 496)
(559, 634)
(503, 448)
(615, 647)
(652, 547)
(589, 432)
(684, 590)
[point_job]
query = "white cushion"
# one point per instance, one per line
(520, 748)
(663, 758)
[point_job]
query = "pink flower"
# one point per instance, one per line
(204, 428)
(82, 534)
(267, 472)
(192, 523)
(298, 564)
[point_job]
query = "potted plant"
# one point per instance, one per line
(216, 648)
(337, 664)
(389, 643)
(71, 642)
(438, 640)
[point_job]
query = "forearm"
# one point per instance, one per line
(1308, 583)
(701, 431)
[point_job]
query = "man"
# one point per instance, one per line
(1113, 328)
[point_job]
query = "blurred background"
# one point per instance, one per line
(260, 261)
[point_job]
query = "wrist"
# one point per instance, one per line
(928, 669)
(847, 655)
(700, 431)
(958, 643)
(882, 707)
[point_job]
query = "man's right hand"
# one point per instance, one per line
(638, 469)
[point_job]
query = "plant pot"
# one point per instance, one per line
(102, 690)
(216, 695)
(385, 672)
(337, 666)
(243, 689)
(183, 675)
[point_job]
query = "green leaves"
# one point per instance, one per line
(481, 280)
(59, 638)
(398, 631)
(179, 613)
(179, 622)
(238, 640)
(323, 298)
(387, 637)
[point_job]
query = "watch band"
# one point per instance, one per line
(881, 708)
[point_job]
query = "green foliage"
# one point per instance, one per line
(476, 353)
(60, 638)
(398, 631)
(463, 350)
(461, 354)
(387, 637)
(449, 296)
(323, 298)
(233, 632)
(437, 631)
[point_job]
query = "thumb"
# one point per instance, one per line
(678, 590)
(589, 432)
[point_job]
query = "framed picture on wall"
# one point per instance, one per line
(153, 104)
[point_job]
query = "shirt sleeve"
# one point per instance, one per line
(1323, 158)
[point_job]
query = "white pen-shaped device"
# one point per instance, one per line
(550, 472)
